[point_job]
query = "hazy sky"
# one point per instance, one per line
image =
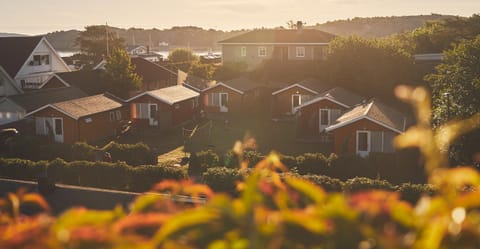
(42, 16)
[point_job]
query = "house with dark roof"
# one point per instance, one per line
(286, 99)
(154, 76)
(232, 95)
(164, 108)
(89, 81)
(14, 108)
(366, 128)
(322, 111)
(30, 60)
(87, 119)
(8, 86)
(281, 45)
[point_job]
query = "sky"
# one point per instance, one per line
(42, 16)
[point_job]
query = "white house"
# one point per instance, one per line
(30, 60)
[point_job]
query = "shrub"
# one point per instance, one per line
(362, 184)
(82, 151)
(231, 160)
(222, 179)
(328, 183)
(207, 159)
(132, 154)
(252, 157)
(312, 163)
(412, 192)
(289, 161)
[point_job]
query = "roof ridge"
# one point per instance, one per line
(369, 107)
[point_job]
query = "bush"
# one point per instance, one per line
(132, 154)
(362, 184)
(326, 182)
(289, 161)
(82, 151)
(252, 157)
(231, 160)
(222, 179)
(412, 192)
(207, 159)
(313, 163)
(94, 174)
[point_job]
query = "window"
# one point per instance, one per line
(262, 51)
(296, 100)
(363, 143)
(118, 114)
(112, 116)
(300, 51)
(324, 117)
(40, 60)
(58, 126)
(243, 51)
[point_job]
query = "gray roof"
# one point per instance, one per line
(38, 98)
(81, 107)
(314, 84)
(338, 94)
(242, 83)
(375, 111)
(343, 96)
(170, 95)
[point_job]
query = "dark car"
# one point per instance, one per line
(6, 134)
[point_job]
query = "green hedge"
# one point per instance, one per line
(94, 174)
(222, 179)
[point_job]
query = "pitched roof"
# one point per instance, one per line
(89, 81)
(197, 83)
(15, 50)
(374, 111)
(338, 95)
(81, 107)
(242, 83)
(310, 84)
(38, 98)
(288, 36)
(170, 95)
(151, 72)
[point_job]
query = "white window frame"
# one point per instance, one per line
(48, 61)
(299, 101)
(322, 127)
(369, 145)
(262, 51)
(300, 52)
(243, 51)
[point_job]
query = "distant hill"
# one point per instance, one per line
(194, 37)
(9, 34)
(203, 39)
(370, 27)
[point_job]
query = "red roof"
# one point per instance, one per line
(15, 50)
(281, 36)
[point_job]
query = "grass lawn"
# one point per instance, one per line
(226, 129)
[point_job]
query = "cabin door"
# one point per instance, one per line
(58, 130)
(363, 143)
(153, 114)
(223, 102)
(296, 101)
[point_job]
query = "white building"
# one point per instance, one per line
(30, 60)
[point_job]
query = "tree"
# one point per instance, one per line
(204, 71)
(93, 43)
(456, 92)
(180, 55)
(120, 74)
(371, 67)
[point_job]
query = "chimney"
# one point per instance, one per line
(299, 25)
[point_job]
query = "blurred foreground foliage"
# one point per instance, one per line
(272, 211)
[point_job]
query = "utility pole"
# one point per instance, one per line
(106, 30)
